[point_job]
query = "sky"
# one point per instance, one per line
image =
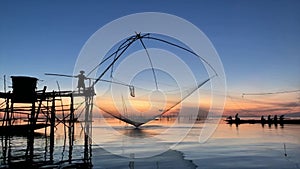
(257, 40)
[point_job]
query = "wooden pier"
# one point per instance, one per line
(25, 109)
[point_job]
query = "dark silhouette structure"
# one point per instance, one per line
(25, 110)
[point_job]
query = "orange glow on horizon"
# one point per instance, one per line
(247, 105)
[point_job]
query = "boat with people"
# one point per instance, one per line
(269, 120)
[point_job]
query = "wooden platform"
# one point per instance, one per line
(21, 129)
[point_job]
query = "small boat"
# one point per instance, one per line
(254, 121)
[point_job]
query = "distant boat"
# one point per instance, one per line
(253, 121)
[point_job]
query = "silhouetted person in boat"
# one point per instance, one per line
(237, 119)
(81, 77)
(229, 118)
(281, 118)
(263, 120)
(275, 119)
(269, 119)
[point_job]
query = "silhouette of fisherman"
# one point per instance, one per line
(263, 120)
(229, 118)
(281, 118)
(81, 77)
(275, 119)
(269, 119)
(237, 119)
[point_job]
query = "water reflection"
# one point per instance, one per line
(168, 159)
(142, 132)
(37, 151)
(138, 133)
(262, 124)
(73, 149)
(70, 150)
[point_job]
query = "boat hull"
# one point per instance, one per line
(253, 121)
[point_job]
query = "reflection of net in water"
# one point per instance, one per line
(149, 93)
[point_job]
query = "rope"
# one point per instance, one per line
(183, 48)
(150, 61)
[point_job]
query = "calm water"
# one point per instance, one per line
(117, 145)
(248, 146)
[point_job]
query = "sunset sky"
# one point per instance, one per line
(257, 41)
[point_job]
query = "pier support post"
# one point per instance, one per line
(52, 125)
(71, 128)
(6, 113)
(30, 135)
(87, 129)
